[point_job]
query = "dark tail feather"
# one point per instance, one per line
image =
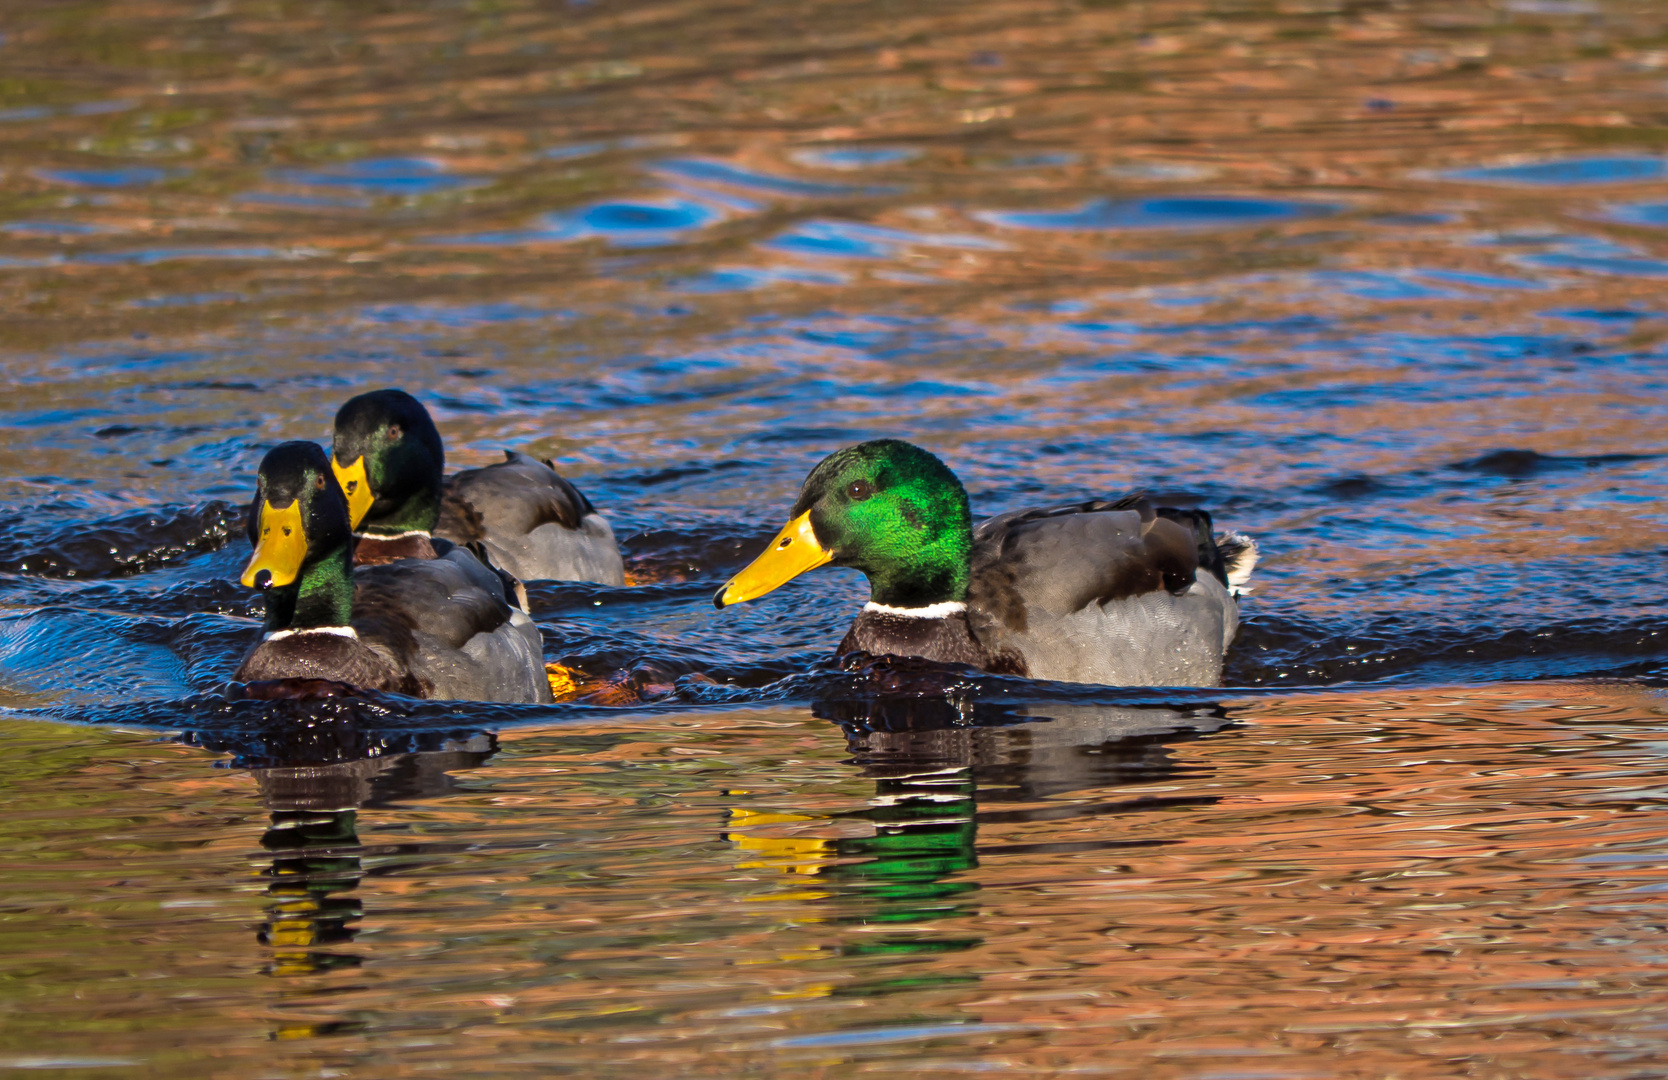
(1210, 557)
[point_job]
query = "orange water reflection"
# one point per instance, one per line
(1417, 884)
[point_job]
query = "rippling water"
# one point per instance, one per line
(1377, 283)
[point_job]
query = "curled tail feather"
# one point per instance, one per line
(1239, 558)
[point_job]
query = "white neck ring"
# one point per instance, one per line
(335, 631)
(931, 611)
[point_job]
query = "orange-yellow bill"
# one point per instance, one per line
(794, 551)
(356, 486)
(280, 547)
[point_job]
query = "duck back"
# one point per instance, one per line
(446, 622)
(531, 521)
(1105, 592)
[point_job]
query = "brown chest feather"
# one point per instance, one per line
(325, 656)
(947, 640)
(374, 551)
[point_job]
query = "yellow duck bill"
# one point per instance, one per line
(281, 549)
(794, 551)
(356, 486)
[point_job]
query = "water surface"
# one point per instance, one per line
(1379, 285)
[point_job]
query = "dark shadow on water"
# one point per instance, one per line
(339, 732)
(1522, 463)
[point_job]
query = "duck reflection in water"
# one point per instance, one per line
(313, 838)
(315, 778)
(941, 768)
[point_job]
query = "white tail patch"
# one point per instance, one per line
(1239, 553)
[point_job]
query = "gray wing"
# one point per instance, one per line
(531, 522)
(1099, 592)
(445, 620)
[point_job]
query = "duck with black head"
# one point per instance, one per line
(519, 513)
(432, 628)
(1116, 592)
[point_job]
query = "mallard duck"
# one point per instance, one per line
(1094, 592)
(525, 518)
(433, 628)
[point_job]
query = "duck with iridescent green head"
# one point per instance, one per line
(1116, 592)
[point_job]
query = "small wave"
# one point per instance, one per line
(117, 547)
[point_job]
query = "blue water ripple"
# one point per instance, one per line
(130, 176)
(645, 222)
(1568, 172)
(704, 170)
(1171, 212)
(382, 176)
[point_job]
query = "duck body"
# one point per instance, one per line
(447, 626)
(1082, 593)
(531, 521)
(427, 628)
(518, 515)
(432, 627)
(1112, 592)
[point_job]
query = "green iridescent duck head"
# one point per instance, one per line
(887, 508)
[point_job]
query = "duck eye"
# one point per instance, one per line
(318, 481)
(859, 490)
(394, 432)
